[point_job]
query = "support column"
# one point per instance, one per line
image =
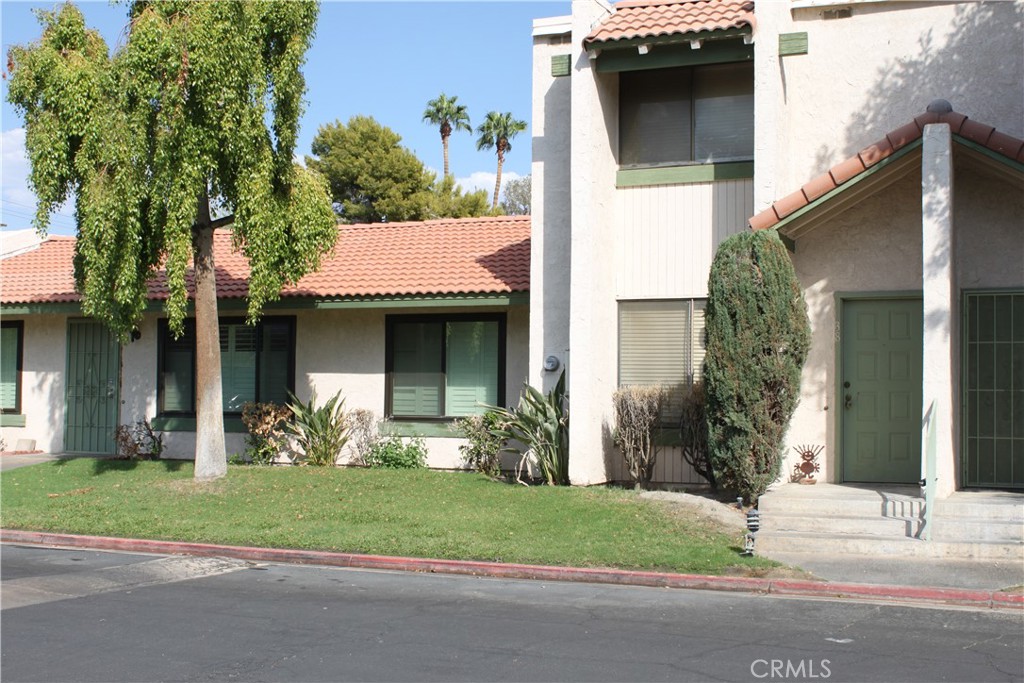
(939, 287)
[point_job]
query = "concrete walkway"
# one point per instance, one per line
(10, 461)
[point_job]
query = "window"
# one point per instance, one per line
(257, 364)
(686, 115)
(11, 334)
(444, 366)
(662, 342)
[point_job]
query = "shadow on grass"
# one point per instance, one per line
(105, 465)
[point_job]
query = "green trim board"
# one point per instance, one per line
(995, 156)
(184, 423)
(11, 420)
(679, 175)
(664, 56)
(673, 39)
(304, 303)
(792, 44)
(560, 65)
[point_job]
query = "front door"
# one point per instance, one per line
(881, 390)
(92, 388)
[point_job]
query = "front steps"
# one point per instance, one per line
(889, 520)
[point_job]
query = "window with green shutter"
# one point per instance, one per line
(11, 335)
(662, 342)
(257, 364)
(440, 367)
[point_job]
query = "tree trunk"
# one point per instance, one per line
(497, 183)
(211, 456)
(444, 144)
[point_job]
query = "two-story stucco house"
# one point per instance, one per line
(661, 127)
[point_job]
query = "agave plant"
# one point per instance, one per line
(541, 423)
(320, 432)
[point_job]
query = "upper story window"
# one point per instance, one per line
(686, 115)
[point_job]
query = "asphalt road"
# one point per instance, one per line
(80, 615)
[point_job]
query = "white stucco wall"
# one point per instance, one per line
(340, 349)
(550, 229)
(870, 73)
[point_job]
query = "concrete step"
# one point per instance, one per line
(843, 524)
(841, 506)
(974, 529)
(1009, 508)
(768, 542)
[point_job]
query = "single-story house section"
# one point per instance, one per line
(911, 259)
(418, 322)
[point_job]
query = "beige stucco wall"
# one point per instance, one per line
(877, 247)
(340, 349)
(873, 72)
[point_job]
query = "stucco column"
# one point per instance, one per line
(939, 287)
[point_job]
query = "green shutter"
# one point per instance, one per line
(472, 367)
(237, 365)
(416, 376)
(275, 346)
(9, 368)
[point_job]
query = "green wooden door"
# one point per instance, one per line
(881, 390)
(92, 388)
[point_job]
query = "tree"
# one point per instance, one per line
(495, 132)
(758, 337)
(517, 199)
(150, 138)
(372, 177)
(449, 116)
(449, 201)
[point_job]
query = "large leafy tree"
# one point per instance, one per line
(372, 177)
(495, 133)
(449, 116)
(150, 138)
(758, 338)
(516, 200)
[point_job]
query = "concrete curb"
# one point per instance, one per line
(781, 587)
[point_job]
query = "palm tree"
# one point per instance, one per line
(449, 116)
(496, 131)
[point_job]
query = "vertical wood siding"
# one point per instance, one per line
(669, 468)
(667, 235)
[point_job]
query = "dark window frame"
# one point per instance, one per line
(439, 318)
(18, 325)
(691, 75)
(164, 334)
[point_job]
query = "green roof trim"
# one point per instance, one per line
(304, 303)
(675, 53)
(995, 156)
(673, 39)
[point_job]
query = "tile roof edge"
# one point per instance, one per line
(842, 173)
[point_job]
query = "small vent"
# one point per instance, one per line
(560, 65)
(841, 13)
(792, 44)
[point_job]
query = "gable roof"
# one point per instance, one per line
(846, 172)
(430, 258)
(637, 19)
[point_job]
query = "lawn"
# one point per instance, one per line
(419, 513)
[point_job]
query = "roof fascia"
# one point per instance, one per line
(670, 39)
(1011, 164)
(675, 53)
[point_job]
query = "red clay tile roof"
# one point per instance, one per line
(440, 257)
(986, 136)
(635, 19)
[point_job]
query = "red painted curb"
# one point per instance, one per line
(796, 588)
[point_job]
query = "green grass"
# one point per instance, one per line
(419, 513)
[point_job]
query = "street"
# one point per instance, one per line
(82, 615)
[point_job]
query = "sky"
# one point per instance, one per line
(382, 59)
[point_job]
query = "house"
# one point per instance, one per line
(418, 322)
(661, 127)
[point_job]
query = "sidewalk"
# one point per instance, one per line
(912, 594)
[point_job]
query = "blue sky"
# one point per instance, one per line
(382, 59)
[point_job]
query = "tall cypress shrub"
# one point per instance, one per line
(758, 337)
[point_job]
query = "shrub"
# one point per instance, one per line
(637, 412)
(138, 442)
(758, 336)
(391, 452)
(321, 432)
(541, 424)
(693, 433)
(266, 425)
(482, 450)
(364, 433)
